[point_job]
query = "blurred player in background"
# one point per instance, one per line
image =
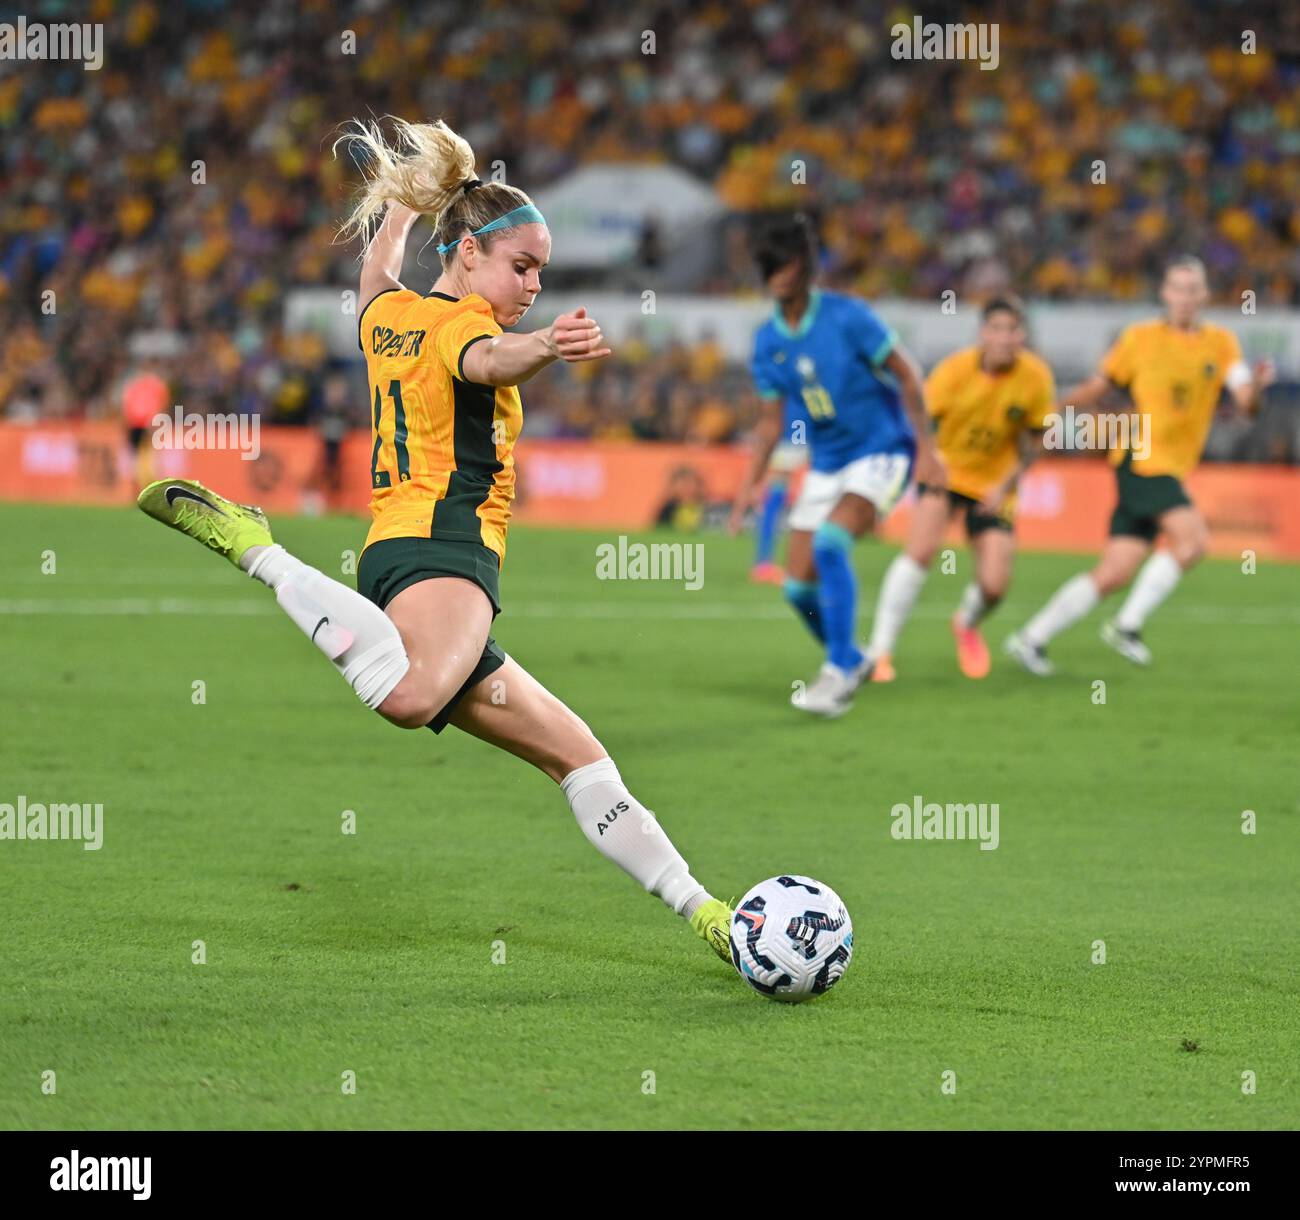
(789, 457)
(144, 396)
(987, 405)
(864, 404)
(1175, 369)
(332, 423)
(413, 640)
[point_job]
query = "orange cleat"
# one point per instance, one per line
(972, 651)
(884, 671)
(767, 574)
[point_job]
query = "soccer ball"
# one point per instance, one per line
(791, 938)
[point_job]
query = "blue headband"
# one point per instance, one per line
(525, 215)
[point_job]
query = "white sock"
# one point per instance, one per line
(1156, 581)
(1077, 597)
(626, 832)
(898, 591)
(973, 607)
(355, 634)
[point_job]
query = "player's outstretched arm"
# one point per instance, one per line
(382, 263)
(1087, 394)
(512, 359)
(767, 434)
(930, 468)
(1246, 391)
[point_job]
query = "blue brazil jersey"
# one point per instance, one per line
(829, 369)
(794, 412)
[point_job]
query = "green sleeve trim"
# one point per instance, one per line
(887, 345)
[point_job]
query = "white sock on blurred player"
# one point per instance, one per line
(355, 634)
(973, 607)
(898, 592)
(1156, 581)
(1074, 599)
(626, 832)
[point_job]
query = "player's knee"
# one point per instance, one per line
(1190, 550)
(409, 708)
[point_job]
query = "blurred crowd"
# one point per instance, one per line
(154, 214)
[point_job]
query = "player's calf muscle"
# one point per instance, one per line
(522, 717)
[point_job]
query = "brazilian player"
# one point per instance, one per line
(1175, 369)
(414, 642)
(865, 407)
(987, 404)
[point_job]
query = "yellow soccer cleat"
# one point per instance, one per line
(712, 923)
(220, 524)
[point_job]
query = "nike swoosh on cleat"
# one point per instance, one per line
(324, 622)
(173, 494)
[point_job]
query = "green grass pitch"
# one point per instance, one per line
(373, 953)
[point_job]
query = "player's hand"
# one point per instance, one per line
(1264, 374)
(993, 499)
(930, 468)
(575, 337)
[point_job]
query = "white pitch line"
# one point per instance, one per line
(680, 611)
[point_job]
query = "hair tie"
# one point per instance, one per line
(471, 184)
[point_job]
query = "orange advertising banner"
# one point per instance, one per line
(1064, 504)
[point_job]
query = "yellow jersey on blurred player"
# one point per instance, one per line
(980, 416)
(1175, 378)
(442, 455)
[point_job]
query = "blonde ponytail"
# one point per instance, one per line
(423, 169)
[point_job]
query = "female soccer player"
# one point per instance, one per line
(862, 397)
(988, 403)
(1175, 368)
(414, 642)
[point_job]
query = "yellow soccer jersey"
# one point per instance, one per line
(442, 461)
(980, 416)
(1175, 378)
